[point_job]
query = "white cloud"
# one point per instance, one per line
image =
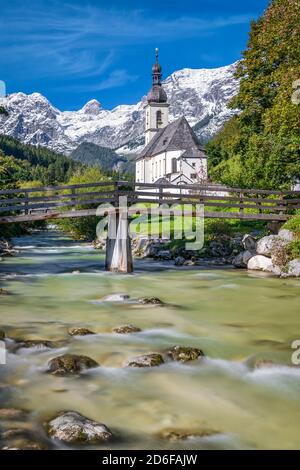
(84, 41)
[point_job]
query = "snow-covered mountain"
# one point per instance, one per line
(201, 95)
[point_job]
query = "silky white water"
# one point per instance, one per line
(233, 316)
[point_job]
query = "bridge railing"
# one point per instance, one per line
(82, 199)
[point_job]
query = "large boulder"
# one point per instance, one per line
(249, 243)
(294, 268)
(266, 244)
(241, 260)
(145, 360)
(179, 261)
(263, 263)
(184, 353)
(74, 428)
(70, 364)
(286, 235)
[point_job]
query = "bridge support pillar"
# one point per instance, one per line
(118, 244)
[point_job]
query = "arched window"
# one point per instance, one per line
(174, 165)
(158, 118)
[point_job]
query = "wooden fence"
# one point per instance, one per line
(30, 204)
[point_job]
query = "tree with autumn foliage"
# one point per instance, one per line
(260, 147)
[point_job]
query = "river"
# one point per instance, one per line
(234, 317)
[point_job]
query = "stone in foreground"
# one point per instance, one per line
(80, 331)
(151, 301)
(72, 427)
(174, 435)
(184, 354)
(125, 329)
(145, 360)
(70, 364)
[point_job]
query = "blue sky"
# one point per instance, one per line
(73, 51)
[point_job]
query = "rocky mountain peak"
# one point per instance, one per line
(92, 107)
(201, 95)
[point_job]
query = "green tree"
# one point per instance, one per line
(264, 139)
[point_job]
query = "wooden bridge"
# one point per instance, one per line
(81, 200)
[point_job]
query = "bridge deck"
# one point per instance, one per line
(81, 200)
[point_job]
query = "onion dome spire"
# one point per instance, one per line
(157, 94)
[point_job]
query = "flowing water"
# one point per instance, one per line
(234, 317)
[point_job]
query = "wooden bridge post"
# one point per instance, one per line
(118, 243)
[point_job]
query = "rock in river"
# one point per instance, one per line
(151, 301)
(33, 343)
(145, 360)
(263, 363)
(70, 364)
(115, 298)
(184, 353)
(74, 428)
(15, 414)
(126, 329)
(174, 435)
(79, 331)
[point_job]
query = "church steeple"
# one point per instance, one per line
(156, 94)
(157, 108)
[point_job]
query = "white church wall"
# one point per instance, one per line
(195, 169)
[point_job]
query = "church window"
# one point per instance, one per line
(174, 165)
(158, 118)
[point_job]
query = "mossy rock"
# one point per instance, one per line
(145, 360)
(74, 428)
(2, 335)
(125, 329)
(3, 291)
(175, 435)
(70, 364)
(151, 301)
(79, 331)
(184, 353)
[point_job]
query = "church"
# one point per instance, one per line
(172, 153)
